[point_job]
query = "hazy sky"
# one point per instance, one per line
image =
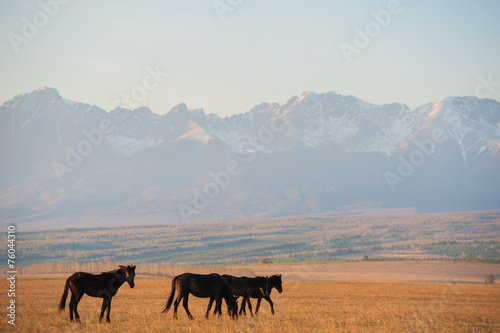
(228, 55)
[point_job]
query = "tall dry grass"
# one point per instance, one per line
(302, 307)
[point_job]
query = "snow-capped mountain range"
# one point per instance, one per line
(67, 163)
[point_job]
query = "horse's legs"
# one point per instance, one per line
(247, 298)
(106, 301)
(209, 306)
(103, 308)
(75, 298)
(176, 304)
(270, 303)
(215, 308)
(242, 308)
(218, 305)
(185, 305)
(71, 306)
(108, 320)
(258, 305)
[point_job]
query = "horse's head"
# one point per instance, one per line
(232, 308)
(275, 281)
(129, 274)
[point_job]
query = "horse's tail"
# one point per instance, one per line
(171, 297)
(62, 303)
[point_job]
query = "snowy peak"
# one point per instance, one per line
(40, 93)
(469, 123)
(311, 119)
(42, 109)
(330, 118)
(34, 101)
(196, 132)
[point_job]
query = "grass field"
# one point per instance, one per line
(304, 306)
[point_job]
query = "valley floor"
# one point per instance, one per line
(304, 306)
(415, 271)
(427, 271)
(353, 297)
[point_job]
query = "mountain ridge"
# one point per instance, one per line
(316, 153)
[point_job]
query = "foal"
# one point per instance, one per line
(245, 286)
(274, 282)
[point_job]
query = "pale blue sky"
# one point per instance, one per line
(263, 51)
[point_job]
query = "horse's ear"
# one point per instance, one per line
(133, 267)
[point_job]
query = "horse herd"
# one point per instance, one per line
(214, 286)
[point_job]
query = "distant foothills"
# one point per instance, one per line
(69, 164)
(472, 236)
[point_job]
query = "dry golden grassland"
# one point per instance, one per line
(304, 306)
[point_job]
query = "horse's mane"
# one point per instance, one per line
(113, 271)
(121, 268)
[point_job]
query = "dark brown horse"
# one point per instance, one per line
(203, 286)
(274, 282)
(104, 285)
(245, 286)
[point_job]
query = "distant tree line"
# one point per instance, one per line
(162, 269)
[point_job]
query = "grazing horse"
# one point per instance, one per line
(104, 285)
(274, 282)
(245, 286)
(203, 286)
